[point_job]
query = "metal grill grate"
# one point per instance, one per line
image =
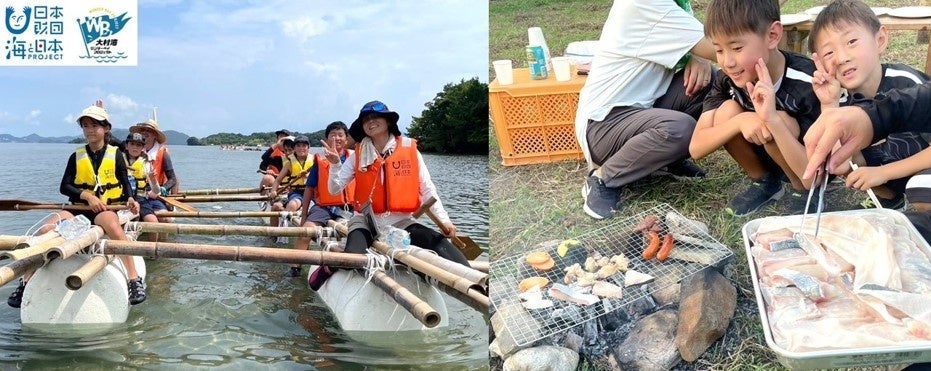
(527, 326)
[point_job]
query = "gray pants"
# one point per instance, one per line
(632, 142)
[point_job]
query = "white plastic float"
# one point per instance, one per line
(103, 299)
(362, 306)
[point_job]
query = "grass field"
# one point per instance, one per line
(534, 203)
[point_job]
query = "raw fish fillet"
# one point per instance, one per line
(569, 294)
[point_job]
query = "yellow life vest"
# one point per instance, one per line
(137, 170)
(103, 183)
(297, 168)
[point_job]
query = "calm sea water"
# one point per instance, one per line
(233, 315)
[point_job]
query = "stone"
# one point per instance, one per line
(544, 358)
(573, 341)
(651, 344)
(706, 306)
(514, 315)
(667, 295)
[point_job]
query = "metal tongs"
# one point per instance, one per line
(823, 173)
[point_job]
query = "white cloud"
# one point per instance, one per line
(69, 118)
(34, 114)
(116, 102)
(303, 28)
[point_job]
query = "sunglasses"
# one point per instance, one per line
(376, 107)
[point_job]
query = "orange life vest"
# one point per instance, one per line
(274, 170)
(324, 198)
(397, 188)
(160, 175)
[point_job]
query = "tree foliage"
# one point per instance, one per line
(193, 141)
(456, 121)
(254, 139)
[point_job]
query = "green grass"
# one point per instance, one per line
(534, 203)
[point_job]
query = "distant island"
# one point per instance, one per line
(175, 138)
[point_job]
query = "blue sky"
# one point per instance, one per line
(236, 66)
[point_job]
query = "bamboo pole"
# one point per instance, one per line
(479, 265)
(418, 308)
(19, 268)
(36, 249)
(247, 230)
(72, 246)
(234, 253)
(34, 240)
(470, 289)
(87, 271)
(220, 214)
(189, 199)
(218, 191)
(10, 242)
(449, 266)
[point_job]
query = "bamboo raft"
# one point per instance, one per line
(72, 264)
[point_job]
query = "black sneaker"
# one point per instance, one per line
(684, 170)
(600, 200)
(16, 298)
(758, 194)
(897, 203)
(795, 202)
(293, 272)
(136, 291)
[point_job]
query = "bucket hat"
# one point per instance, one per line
(357, 132)
(151, 125)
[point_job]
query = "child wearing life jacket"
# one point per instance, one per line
(273, 159)
(156, 149)
(325, 206)
(147, 187)
(295, 169)
(390, 175)
(96, 175)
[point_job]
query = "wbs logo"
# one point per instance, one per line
(100, 35)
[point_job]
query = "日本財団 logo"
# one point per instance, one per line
(70, 33)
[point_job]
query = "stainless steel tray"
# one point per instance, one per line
(866, 356)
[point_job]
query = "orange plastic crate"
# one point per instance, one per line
(534, 120)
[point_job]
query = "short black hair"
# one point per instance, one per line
(335, 125)
(840, 12)
(733, 17)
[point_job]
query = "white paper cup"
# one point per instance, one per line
(504, 71)
(562, 68)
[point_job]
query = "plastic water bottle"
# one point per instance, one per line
(398, 238)
(132, 184)
(73, 227)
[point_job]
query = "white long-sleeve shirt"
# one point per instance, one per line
(343, 173)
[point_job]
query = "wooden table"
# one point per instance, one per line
(796, 35)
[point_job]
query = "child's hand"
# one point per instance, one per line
(867, 177)
(330, 152)
(133, 206)
(697, 75)
(824, 83)
(755, 132)
(96, 205)
(763, 94)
